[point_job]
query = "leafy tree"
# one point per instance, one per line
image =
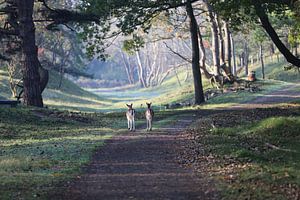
(18, 32)
(241, 11)
(128, 16)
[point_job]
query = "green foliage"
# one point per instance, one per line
(117, 16)
(242, 12)
(131, 46)
(259, 35)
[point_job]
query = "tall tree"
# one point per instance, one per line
(19, 32)
(248, 11)
(199, 96)
(31, 77)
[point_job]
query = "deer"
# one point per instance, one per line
(149, 116)
(130, 117)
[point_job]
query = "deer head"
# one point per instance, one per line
(129, 106)
(148, 104)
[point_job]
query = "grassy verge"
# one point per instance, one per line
(253, 154)
(42, 148)
(39, 148)
(275, 70)
(235, 98)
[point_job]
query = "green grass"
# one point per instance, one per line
(169, 92)
(257, 160)
(69, 97)
(72, 97)
(229, 99)
(275, 70)
(40, 148)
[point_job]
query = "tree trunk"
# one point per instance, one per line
(30, 66)
(44, 78)
(246, 58)
(202, 50)
(140, 70)
(127, 68)
(199, 95)
(227, 43)
(203, 57)
(215, 39)
(221, 40)
(272, 51)
(262, 61)
(233, 54)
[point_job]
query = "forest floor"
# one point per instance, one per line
(244, 152)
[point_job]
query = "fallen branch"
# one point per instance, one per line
(278, 148)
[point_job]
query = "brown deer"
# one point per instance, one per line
(130, 117)
(149, 116)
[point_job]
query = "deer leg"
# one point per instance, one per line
(150, 125)
(147, 124)
(133, 125)
(128, 122)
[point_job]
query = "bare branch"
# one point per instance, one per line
(178, 54)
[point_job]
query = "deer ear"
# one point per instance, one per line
(131, 105)
(127, 105)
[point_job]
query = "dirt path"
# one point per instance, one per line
(284, 95)
(143, 165)
(139, 165)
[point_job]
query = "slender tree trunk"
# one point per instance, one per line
(262, 61)
(140, 70)
(227, 43)
(221, 40)
(202, 50)
(203, 57)
(215, 38)
(233, 55)
(246, 58)
(126, 68)
(199, 95)
(272, 51)
(252, 60)
(30, 66)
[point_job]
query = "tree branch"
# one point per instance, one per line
(178, 54)
(264, 19)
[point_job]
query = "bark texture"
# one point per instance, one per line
(199, 95)
(30, 66)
